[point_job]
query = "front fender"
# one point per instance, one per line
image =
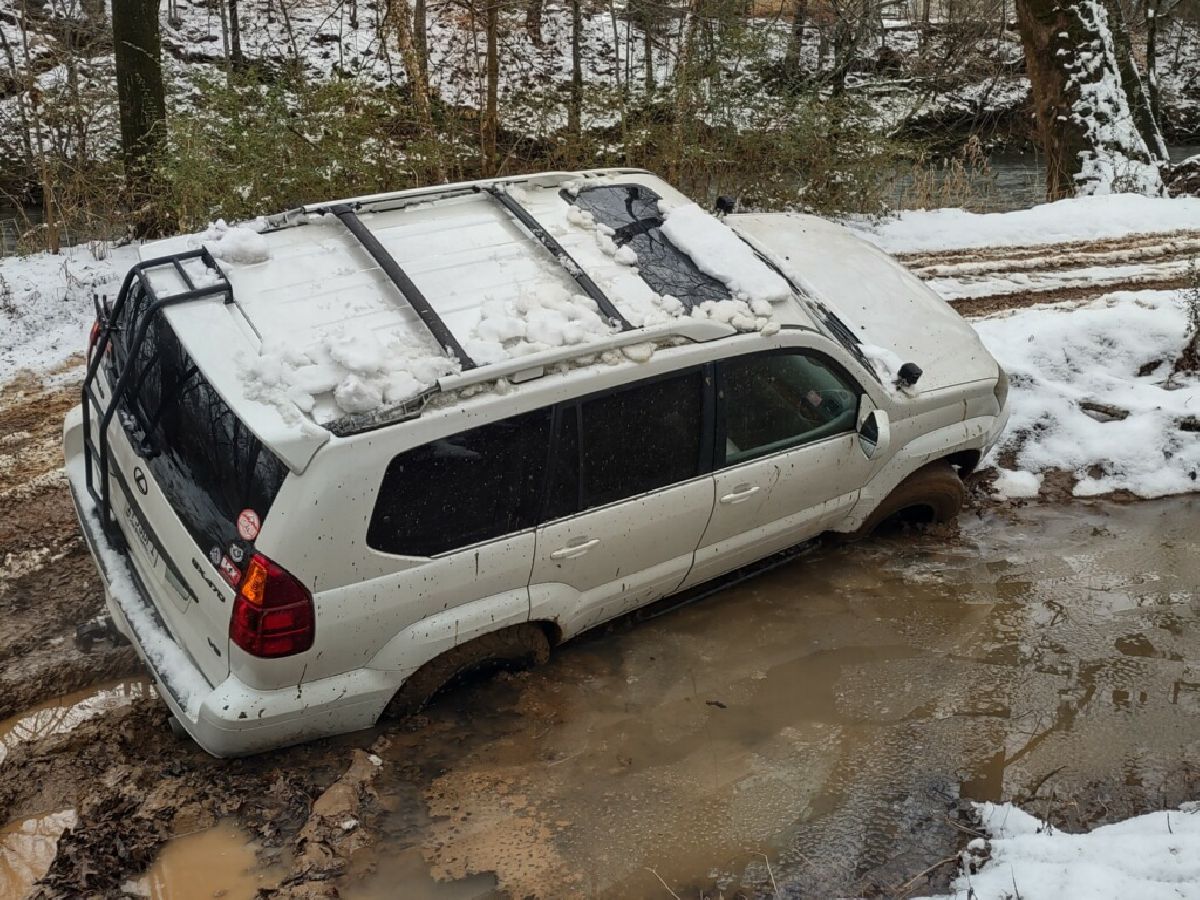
(970, 434)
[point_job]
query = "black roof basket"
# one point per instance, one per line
(110, 320)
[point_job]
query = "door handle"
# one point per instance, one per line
(742, 492)
(574, 550)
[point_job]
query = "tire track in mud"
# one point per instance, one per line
(979, 281)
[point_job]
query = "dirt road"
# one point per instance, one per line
(820, 727)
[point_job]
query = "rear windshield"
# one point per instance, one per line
(631, 210)
(209, 465)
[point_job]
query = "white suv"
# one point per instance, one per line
(328, 463)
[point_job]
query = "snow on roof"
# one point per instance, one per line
(320, 329)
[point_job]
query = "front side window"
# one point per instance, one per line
(641, 438)
(773, 401)
(463, 489)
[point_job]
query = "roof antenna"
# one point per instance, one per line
(725, 205)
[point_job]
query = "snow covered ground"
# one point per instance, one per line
(1151, 857)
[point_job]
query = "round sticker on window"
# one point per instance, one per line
(248, 524)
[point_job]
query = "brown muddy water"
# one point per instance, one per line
(809, 733)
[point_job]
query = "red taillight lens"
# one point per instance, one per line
(273, 612)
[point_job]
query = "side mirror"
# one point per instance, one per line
(874, 434)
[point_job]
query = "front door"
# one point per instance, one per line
(788, 461)
(629, 498)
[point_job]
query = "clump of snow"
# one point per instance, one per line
(1059, 357)
(718, 251)
(348, 371)
(1077, 219)
(235, 243)
(737, 313)
(537, 319)
(1010, 485)
(1151, 857)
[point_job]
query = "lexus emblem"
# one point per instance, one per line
(139, 478)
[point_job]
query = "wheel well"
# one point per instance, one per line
(964, 460)
(551, 629)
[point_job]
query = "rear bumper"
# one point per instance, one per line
(230, 718)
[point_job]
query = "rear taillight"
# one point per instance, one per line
(273, 612)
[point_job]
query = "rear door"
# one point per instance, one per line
(629, 496)
(191, 487)
(787, 457)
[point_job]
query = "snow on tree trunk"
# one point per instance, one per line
(1085, 119)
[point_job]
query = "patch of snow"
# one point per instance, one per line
(718, 251)
(1010, 485)
(235, 243)
(1077, 219)
(1151, 857)
(1060, 356)
(537, 319)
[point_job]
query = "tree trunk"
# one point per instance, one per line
(402, 21)
(683, 89)
(1082, 109)
(793, 60)
(533, 20)
(20, 94)
(235, 35)
(575, 100)
(648, 53)
(491, 112)
(1134, 84)
(420, 39)
(1152, 57)
(140, 95)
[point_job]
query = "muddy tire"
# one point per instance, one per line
(933, 494)
(516, 647)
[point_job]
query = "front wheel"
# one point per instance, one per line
(931, 495)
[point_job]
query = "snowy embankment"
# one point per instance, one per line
(1092, 390)
(1148, 857)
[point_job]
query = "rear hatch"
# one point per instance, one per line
(191, 484)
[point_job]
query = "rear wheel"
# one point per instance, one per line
(931, 495)
(515, 647)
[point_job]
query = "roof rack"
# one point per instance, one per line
(403, 283)
(148, 302)
(527, 368)
(561, 256)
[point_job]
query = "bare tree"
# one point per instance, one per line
(401, 17)
(491, 112)
(140, 94)
(575, 99)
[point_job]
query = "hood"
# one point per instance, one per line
(887, 307)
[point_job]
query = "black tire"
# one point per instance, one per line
(515, 647)
(933, 494)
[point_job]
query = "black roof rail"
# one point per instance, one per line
(148, 303)
(411, 293)
(560, 254)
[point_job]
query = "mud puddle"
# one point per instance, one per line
(817, 729)
(62, 714)
(27, 848)
(216, 862)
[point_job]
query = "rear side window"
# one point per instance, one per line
(463, 489)
(641, 438)
(631, 210)
(208, 464)
(773, 401)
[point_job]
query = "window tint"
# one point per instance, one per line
(207, 463)
(773, 401)
(563, 495)
(631, 210)
(463, 489)
(641, 438)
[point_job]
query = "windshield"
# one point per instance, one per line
(207, 463)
